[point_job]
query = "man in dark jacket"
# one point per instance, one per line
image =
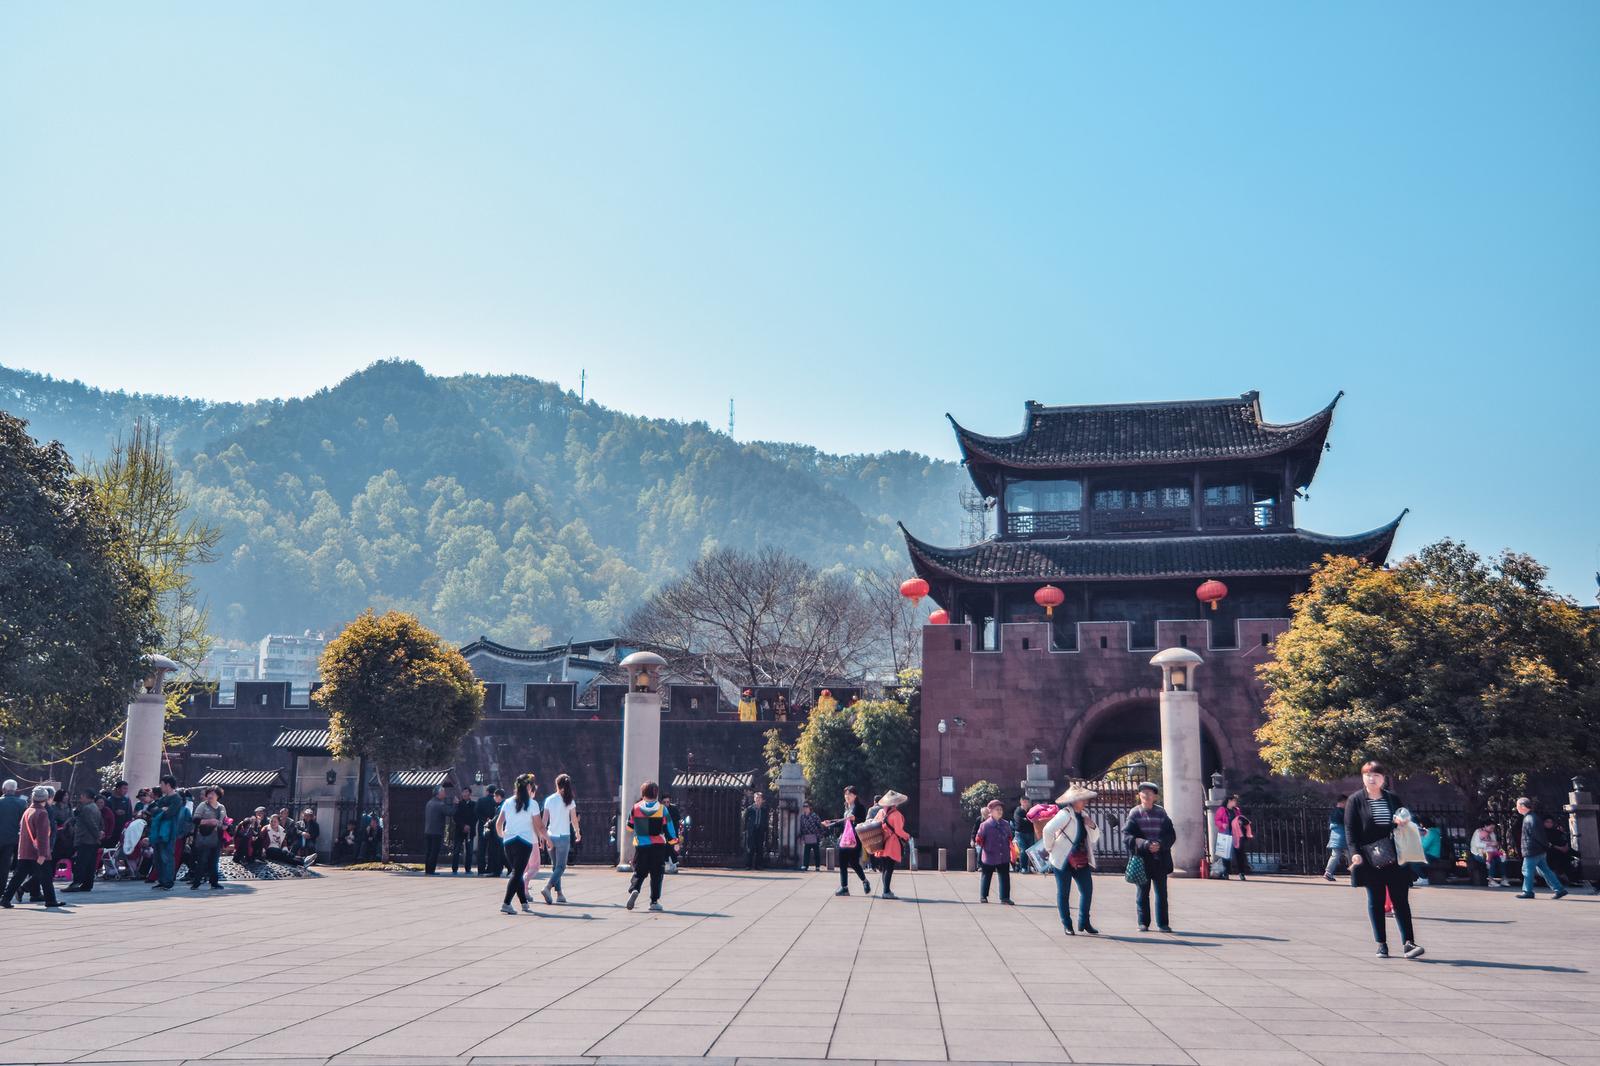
(490, 858)
(87, 829)
(1150, 834)
(1535, 846)
(755, 832)
(121, 807)
(434, 814)
(1022, 833)
(465, 820)
(12, 807)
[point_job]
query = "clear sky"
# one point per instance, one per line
(851, 218)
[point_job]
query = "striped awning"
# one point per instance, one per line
(418, 778)
(310, 739)
(714, 779)
(244, 778)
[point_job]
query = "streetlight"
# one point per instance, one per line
(943, 729)
(1136, 770)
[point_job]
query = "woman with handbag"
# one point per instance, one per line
(855, 812)
(1070, 837)
(1370, 815)
(1150, 834)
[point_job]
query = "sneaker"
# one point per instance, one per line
(983, 899)
(633, 897)
(1087, 928)
(866, 886)
(1144, 927)
(559, 897)
(1414, 951)
(1559, 895)
(1329, 877)
(6, 904)
(1164, 928)
(526, 909)
(889, 895)
(1524, 895)
(1009, 903)
(843, 892)
(656, 907)
(506, 908)
(311, 860)
(545, 892)
(51, 906)
(1383, 951)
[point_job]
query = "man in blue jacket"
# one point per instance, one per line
(12, 807)
(165, 814)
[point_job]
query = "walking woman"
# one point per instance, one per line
(561, 825)
(855, 813)
(1070, 837)
(653, 838)
(1370, 816)
(520, 825)
(891, 855)
(1150, 834)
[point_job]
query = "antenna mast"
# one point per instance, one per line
(730, 416)
(975, 525)
(583, 384)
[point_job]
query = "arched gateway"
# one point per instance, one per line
(1126, 510)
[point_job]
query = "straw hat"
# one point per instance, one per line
(1076, 794)
(892, 798)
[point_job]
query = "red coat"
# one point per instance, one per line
(894, 831)
(33, 835)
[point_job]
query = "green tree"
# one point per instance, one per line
(397, 696)
(1444, 665)
(975, 797)
(888, 736)
(76, 607)
(831, 756)
(140, 487)
(775, 753)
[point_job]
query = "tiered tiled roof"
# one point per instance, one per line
(1000, 561)
(1142, 434)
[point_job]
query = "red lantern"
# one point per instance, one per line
(1049, 597)
(1211, 592)
(914, 589)
(941, 617)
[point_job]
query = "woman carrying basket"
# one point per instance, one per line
(890, 853)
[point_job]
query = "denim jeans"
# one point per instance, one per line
(1541, 863)
(166, 864)
(1159, 886)
(1335, 857)
(1065, 878)
(560, 848)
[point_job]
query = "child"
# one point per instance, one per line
(994, 852)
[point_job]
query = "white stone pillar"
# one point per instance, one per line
(641, 742)
(145, 729)
(1182, 789)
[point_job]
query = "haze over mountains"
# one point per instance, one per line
(487, 505)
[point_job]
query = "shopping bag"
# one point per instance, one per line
(1136, 874)
(1408, 843)
(1224, 848)
(847, 838)
(1039, 858)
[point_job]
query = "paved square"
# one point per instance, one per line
(375, 968)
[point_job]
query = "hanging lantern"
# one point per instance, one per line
(941, 617)
(1211, 592)
(1049, 597)
(914, 589)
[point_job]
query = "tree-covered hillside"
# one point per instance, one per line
(487, 505)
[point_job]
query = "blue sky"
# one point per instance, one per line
(850, 218)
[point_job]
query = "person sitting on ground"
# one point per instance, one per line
(275, 850)
(1485, 856)
(246, 834)
(310, 832)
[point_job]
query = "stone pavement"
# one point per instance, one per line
(358, 968)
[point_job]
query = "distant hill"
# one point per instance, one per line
(498, 506)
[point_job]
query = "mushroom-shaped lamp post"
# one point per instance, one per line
(641, 741)
(146, 725)
(1183, 791)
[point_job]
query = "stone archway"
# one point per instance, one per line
(1131, 721)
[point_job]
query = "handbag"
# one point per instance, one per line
(1381, 854)
(1136, 874)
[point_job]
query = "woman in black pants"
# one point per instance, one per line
(520, 825)
(855, 812)
(1369, 821)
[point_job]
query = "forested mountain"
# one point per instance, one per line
(488, 505)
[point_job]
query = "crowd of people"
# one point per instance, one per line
(150, 836)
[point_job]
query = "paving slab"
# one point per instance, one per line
(355, 969)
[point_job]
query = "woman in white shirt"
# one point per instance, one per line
(561, 825)
(1070, 838)
(521, 827)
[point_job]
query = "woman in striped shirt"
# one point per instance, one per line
(1369, 821)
